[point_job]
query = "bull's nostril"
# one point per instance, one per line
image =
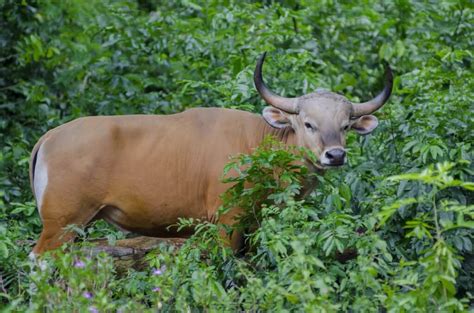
(329, 155)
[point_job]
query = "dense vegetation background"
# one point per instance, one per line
(413, 234)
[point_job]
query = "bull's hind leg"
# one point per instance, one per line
(56, 215)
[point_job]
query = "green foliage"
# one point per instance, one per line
(295, 260)
(431, 278)
(412, 233)
(274, 175)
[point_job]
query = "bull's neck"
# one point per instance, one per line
(285, 135)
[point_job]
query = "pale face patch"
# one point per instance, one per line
(40, 178)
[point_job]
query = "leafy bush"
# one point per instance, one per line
(295, 261)
(412, 234)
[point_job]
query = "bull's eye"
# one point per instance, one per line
(309, 126)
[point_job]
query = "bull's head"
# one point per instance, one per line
(321, 119)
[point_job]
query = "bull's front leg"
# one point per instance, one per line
(234, 239)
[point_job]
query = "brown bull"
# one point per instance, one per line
(143, 172)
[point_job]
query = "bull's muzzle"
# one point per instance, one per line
(333, 157)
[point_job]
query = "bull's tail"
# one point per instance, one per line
(34, 155)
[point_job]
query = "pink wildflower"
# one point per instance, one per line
(159, 271)
(93, 309)
(87, 295)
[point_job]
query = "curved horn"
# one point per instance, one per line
(376, 103)
(288, 105)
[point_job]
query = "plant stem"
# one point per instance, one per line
(435, 211)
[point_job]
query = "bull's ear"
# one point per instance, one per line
(365, 124)
(275, 117)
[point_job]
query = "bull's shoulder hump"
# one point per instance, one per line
(191, 113)
(226, 116)
(219, 111)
